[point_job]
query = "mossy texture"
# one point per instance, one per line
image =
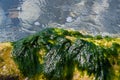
(58, 54)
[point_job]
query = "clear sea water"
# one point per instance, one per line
(20, 18)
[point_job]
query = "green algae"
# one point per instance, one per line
(62, 55)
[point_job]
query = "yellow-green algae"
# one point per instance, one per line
(46, 41)
(7, 65)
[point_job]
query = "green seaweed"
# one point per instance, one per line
(91, 58)
(55, 58)
(25, 55)
(62, 55)
(98, 37)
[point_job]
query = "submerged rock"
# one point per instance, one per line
(31, 11)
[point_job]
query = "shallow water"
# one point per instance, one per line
(19, 18)
(10, 23)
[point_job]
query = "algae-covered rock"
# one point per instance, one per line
(8, 68)
(58, 54)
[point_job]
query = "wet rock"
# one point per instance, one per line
(69, 19)
(37, 23)
(31, 10)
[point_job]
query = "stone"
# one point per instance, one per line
(69, 19)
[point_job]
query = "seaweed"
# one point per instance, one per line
(25, 55)
(55, 58)
(62, 55)
(91, 58)
(98, 37)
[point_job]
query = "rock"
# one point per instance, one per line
(19, 8)
(37, 23)
(7, 67)
(42, 55)
(69, 19)
(31, 10)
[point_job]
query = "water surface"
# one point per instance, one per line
(19, 18)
